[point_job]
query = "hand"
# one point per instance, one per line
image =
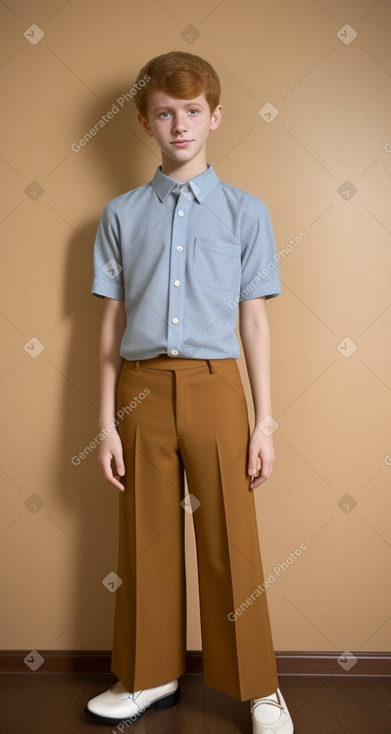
(260, 457)
(110, 450)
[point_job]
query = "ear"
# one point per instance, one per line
(216, 117)
(145, 125)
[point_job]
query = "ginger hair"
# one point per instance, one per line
(181, 75)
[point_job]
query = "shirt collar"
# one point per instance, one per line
(200, 185)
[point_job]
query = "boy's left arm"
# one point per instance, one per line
(255, 337)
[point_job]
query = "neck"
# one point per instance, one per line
(183, 172)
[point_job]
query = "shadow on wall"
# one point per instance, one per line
(87, 505)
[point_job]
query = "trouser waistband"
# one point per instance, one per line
(164, 362)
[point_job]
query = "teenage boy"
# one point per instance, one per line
(175, 260)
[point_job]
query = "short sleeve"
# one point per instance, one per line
(260, 272)
(108, 273)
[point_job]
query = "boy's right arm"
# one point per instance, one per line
(112, 331)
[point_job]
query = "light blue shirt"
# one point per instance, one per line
(182, 256)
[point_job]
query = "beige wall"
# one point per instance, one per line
(330, 328)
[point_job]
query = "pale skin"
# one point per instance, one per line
(170, 120)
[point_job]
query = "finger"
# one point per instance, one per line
(264, 474)
(254, 463)
(108, 473)
(115, 481)
(114, 477)
(256, 481)
(119, 471)
(119, 462)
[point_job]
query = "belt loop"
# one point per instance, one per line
(136, 365)
(211, 366)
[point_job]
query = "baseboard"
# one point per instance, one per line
(288, 662)
(344, 663)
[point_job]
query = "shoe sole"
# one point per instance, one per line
(160, 704)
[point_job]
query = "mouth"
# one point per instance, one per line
(181, 143)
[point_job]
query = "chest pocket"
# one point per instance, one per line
(216, 265)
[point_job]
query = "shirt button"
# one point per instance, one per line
(175, 320)
(181, 213)
(177, 282)
(174, 352)
(179, 248)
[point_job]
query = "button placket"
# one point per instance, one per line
(177, 271)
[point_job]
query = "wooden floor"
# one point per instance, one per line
(53, 704)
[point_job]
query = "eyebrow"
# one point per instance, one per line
(167, 107)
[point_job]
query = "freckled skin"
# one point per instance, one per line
(171, 119)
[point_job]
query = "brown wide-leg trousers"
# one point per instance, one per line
(176, 415)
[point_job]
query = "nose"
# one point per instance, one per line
(179, 123)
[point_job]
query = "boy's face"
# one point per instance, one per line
(180, 126)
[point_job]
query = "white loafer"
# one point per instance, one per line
(270, 715)
(117, 704)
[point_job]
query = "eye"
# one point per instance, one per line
(193, 111)
(164, 115)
